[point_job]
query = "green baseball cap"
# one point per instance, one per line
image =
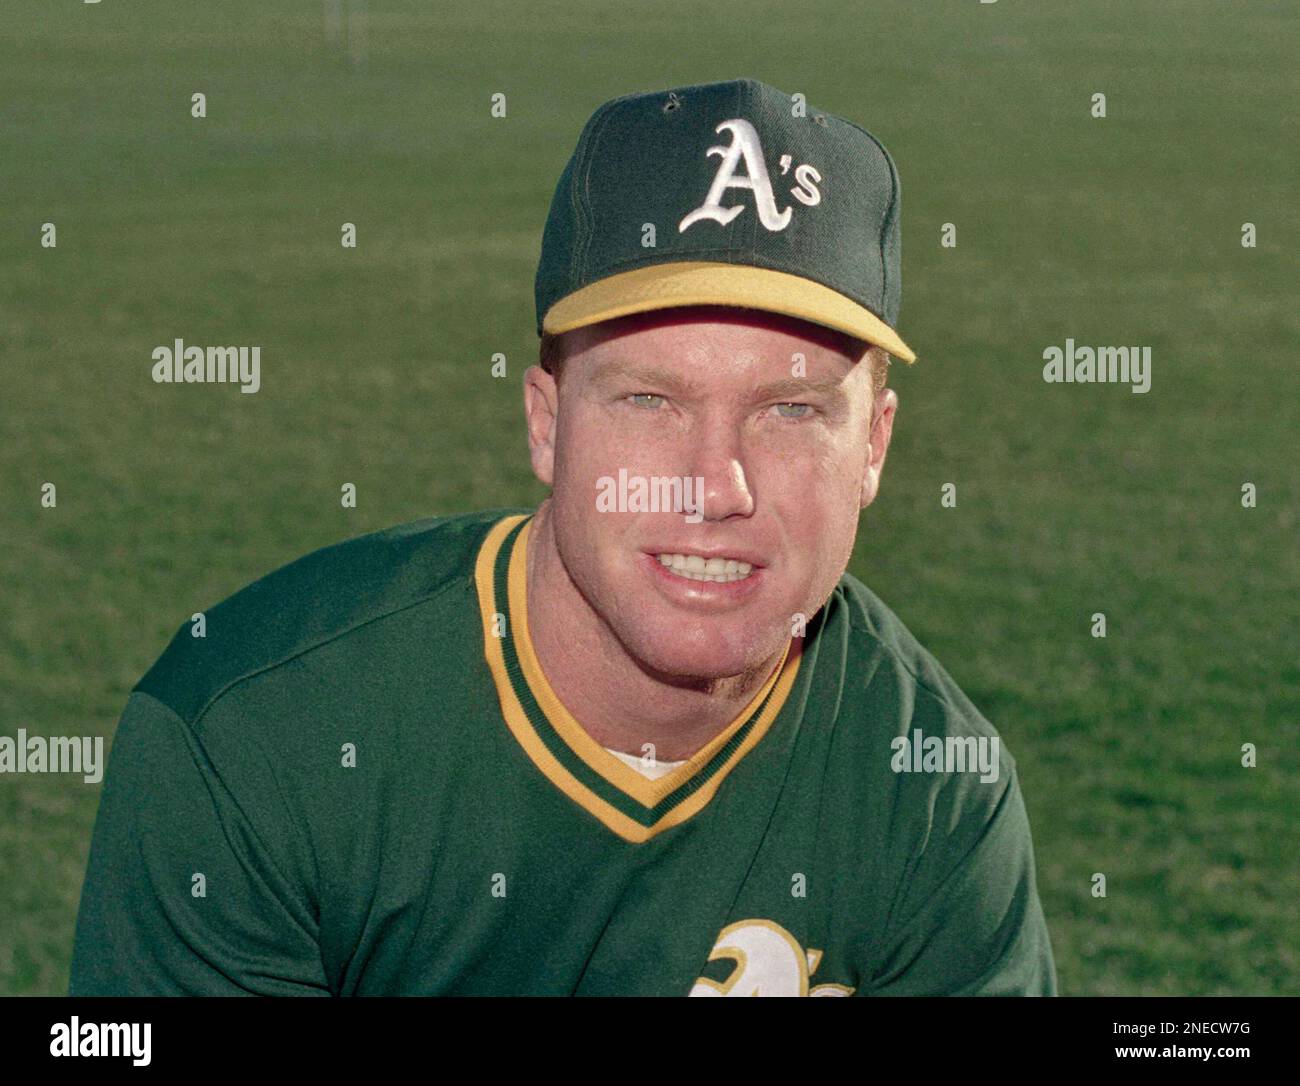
(729, 193)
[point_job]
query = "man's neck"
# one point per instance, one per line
(615, 700)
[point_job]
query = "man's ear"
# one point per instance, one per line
(883, 407)
(541, 409)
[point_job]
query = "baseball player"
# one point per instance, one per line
(649, 738)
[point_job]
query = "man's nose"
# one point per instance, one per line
(719, 460)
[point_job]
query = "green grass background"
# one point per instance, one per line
(1071, 499)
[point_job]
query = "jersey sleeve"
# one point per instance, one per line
(188, 889)
(968, 919)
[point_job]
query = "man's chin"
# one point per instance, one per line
(701, 660)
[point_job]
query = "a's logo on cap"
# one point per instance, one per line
(745, 144)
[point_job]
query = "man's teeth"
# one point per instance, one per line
(695, 568)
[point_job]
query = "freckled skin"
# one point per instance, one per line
(637, 664)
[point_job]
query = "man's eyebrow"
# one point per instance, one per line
(657, 376)
(650, 375)
(794, 387)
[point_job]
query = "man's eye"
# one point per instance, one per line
(646, 399)
(798, 410)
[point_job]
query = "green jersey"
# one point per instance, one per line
(358, 781)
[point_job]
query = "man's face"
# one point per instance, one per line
(776, 417)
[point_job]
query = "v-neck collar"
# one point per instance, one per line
(628, 803)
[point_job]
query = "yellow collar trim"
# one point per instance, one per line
(627, 780)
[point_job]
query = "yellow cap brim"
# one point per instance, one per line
(665, 286)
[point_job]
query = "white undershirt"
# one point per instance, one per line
(654, 770)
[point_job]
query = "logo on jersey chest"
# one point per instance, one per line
(768, 962)
(745, 147)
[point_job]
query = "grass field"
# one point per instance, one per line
(1072, 499)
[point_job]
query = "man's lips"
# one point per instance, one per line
(689, 591)
(740, 554)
